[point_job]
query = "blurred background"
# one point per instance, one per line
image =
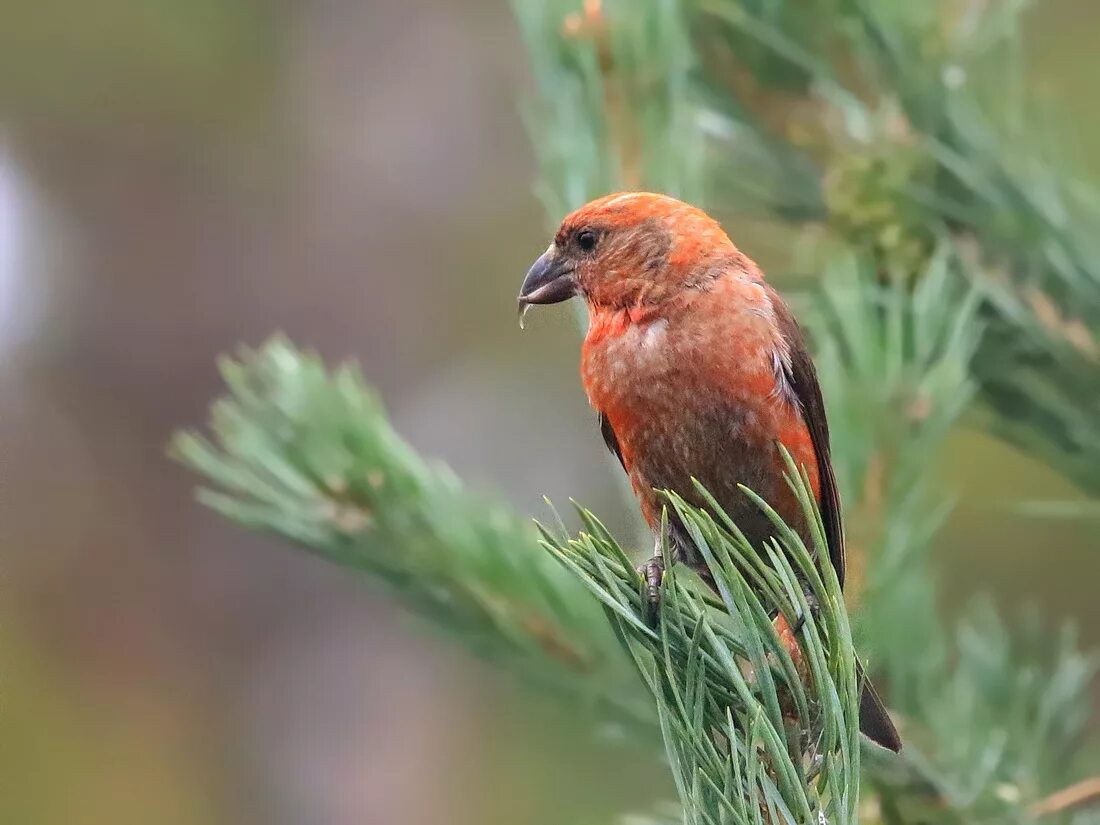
(180, 176)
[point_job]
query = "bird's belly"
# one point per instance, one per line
(721, 447)
(675, 422)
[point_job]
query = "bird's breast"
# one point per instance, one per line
(657, 369)
(694, 401)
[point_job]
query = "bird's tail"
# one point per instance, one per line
(874, 721)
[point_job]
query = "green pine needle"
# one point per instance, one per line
(746, 736)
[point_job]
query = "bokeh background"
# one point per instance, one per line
(179, 176)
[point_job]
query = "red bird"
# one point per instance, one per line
(696, 369)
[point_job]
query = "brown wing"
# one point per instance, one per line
(874, 720)
(802, 379)
(609, 438)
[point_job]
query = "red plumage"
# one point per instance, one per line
(696, 369)
(690, 389)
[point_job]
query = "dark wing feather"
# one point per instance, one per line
(874, 720)
(802, 380)
(609, 438)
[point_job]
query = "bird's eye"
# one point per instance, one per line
(586, 240)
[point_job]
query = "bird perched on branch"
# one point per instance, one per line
(696, 369)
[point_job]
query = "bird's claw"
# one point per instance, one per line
(815, 609)
(799, 623)
(653, 573)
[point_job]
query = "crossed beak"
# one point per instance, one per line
(550, 280)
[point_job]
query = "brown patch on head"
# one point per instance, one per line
(648, 248)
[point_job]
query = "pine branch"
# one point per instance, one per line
(309, 456)
(750, 736)
(904, 385)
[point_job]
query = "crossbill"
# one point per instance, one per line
(697, 369)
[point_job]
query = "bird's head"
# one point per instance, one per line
(627, 250)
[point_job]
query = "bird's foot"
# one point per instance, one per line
(799, 623)
(652, 572)
(800, 620)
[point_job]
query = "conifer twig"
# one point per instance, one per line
(1076, 794)
(750, 738)
(308, 455)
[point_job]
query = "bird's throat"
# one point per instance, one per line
(605, 322)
